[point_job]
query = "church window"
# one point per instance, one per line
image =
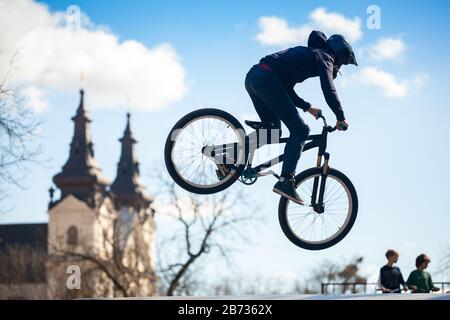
(72, 236)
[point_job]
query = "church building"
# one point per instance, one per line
(100, 236)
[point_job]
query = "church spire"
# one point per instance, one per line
(127, 187)
(81, 176)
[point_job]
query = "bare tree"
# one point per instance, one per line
(256, 284)
(203, 225)
(444, 264)
(333, 272)
(444, 270)
(22, 268)
(350, 274)
(326, 272)
(120, 266)
(18, 127)
(239, 284)
(22, 264)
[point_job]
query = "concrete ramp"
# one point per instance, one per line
(405, 296)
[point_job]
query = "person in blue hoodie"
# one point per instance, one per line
(270, 85)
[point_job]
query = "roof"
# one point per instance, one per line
(23, 253)
(32, 234)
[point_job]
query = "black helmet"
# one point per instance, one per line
(342, 50)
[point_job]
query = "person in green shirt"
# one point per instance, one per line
(419, 281)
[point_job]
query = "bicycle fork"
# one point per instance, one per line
(319, 190)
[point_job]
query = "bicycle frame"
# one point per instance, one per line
(224, 154)
(262, 137)
(315, 141)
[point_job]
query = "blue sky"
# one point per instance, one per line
(396, 151)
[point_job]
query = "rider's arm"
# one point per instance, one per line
(299, 102)
(328, 88)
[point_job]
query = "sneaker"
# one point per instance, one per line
(285, 188)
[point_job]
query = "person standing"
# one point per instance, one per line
(419, 281)
(390, 276)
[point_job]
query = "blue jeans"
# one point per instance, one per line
(273, 105)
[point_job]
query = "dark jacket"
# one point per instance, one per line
(297, 64)
(391, 278)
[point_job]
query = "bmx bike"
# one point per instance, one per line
(208, 150)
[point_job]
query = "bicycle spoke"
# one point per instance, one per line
(317, 227)
(191, 163)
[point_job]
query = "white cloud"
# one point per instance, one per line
(387, 49)
(51, 56)
(275, 31)
(388, 83)
(35, 98)
(337, 23)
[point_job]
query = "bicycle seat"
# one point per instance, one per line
(257, 125)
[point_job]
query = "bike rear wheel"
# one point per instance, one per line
(205, 151)
(310, 230)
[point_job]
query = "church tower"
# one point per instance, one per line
(78, 218)
(81, 176)
(127, 187)
(95, 223)
(135, 230)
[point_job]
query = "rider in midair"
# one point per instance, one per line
(270, 85)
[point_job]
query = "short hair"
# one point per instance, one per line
(390, 253)
(421, 258)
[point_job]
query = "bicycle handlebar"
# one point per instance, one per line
(325, 124)
(320, 115)
(331, 129)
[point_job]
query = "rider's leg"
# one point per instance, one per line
(298, 131)
(271, 91)
(264, 112)
(267, 90)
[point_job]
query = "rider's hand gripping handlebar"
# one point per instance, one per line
(329, 128)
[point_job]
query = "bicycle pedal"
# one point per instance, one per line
(267, 173)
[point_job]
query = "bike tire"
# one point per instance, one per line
(170, 144)
(284, 203)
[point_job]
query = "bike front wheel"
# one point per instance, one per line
(307, 228)
(205, 151)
